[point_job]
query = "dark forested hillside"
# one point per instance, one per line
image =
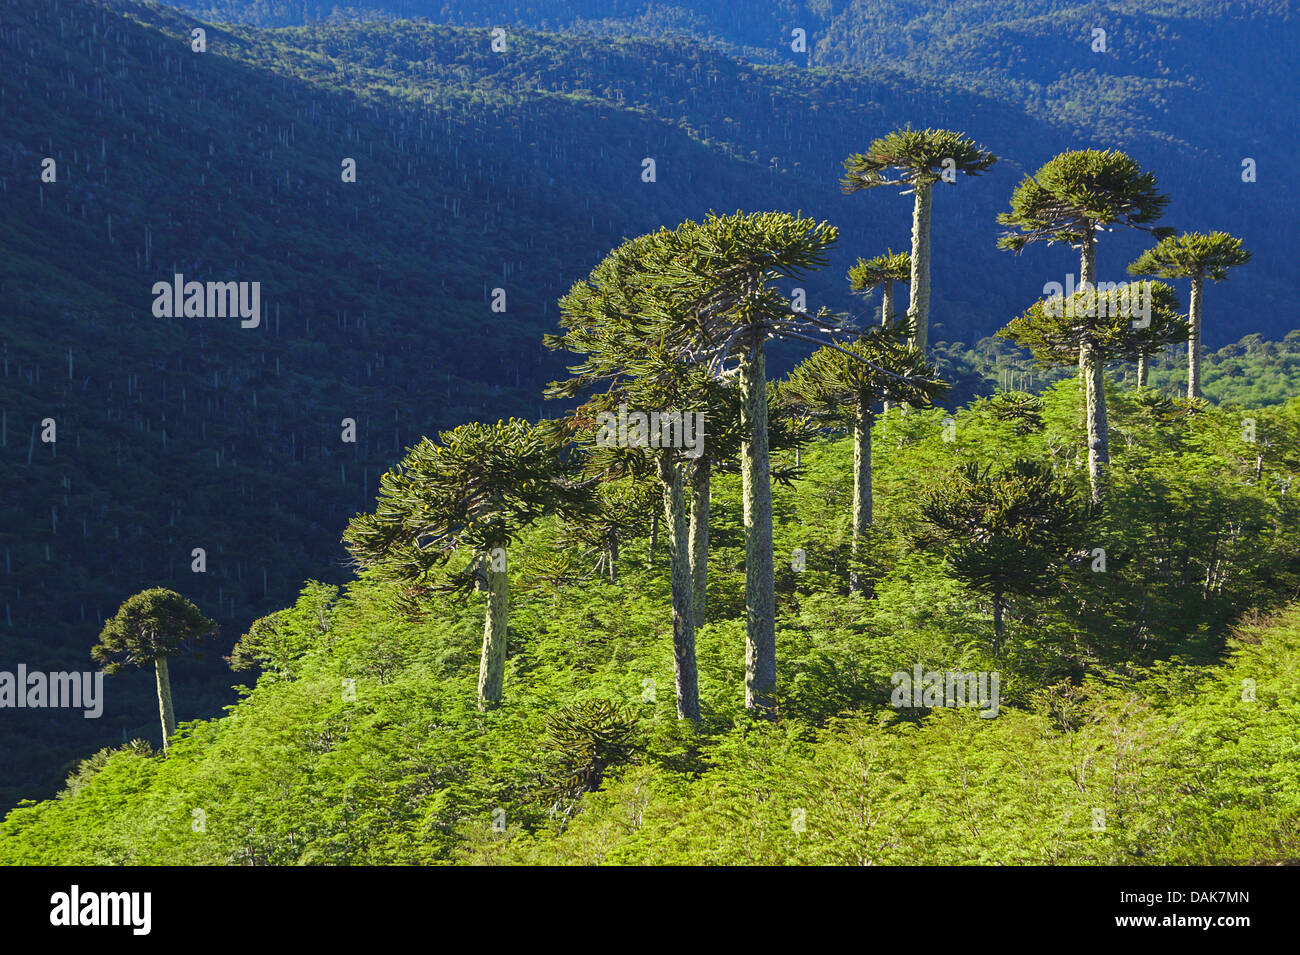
(476, 170)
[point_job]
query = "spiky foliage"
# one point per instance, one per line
(1194, 256)
(588, 738)
(1092, 327)
(1104, 321)
(147, 629)
(1078, 192)
(916, 160)
(881, 273)
(1006, 533)
(844, 386)
(720, 276)
(626, 368)
(477, 488)
(911, 157)
(154, 623)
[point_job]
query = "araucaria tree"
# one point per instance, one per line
(644, 412)
(916, 160)
(148, 628)
(1005, 534)
(843, 386)
(478, 488)
(882, 272)
(1118, 324)
(720, 275)
(1070, 199)
(1197, 257)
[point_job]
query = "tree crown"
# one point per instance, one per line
(154, 623)
(918, 156)
(1077, 192)
(1192, 255)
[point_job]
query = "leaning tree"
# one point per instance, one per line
(843, 386)
(477, 489)
(148, 628)
(917, 160)
(1004, 534)
(1114, 325)
(1197, 257)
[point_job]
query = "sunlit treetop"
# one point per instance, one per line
(907, 157)
(1192, 255)
(1076, 193)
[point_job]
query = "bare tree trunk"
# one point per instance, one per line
(1087, 279)
(1194, 340)
(999, 626)
(684, 670)
(760, 599)
(700, 484)
(1142, 370)
(886, 302)
(492, 665)
(862, 419)
(919, 308)
(165, 712)
(1098, 431)
(654, 540)
(611, 554)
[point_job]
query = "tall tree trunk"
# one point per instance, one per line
(611, 554)
(679, 555)
(1194, 339)
(492, 665)
(654, 540)
(999, 627)
(1087, 279)
(1143, 361)
(756, 483)
(919, 307)
(862, 419)
(886, 315)
(165, 713)
(1098, 431)
(700, 483)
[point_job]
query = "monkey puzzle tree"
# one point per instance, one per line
(1004, 534)
(719, 276)
(148, 628)
(1197, 257)
(919, 158)
(634, 376)
(881, 273)
(1112, 325)
(478, 488)
(845, 388)
(1072, 197)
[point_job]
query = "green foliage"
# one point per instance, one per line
(1075, 193)
(154, 623)
(1192, 255)
(1109, 323)
(921, 157)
